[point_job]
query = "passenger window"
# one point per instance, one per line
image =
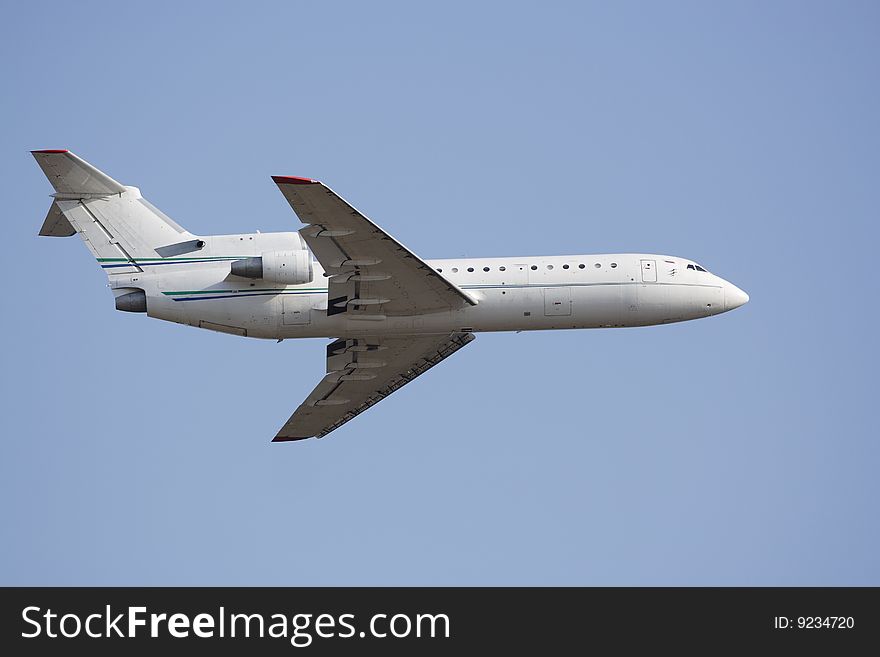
(470, 268)
(549, 266)
(534, 267)
(565, 266)
(581, 266)
(502, 269)
(485, 269)
(455, 270)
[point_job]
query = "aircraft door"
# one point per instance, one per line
(649, 271)
(296, 309)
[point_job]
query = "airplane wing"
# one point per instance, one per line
(361, 372)
(371, 274)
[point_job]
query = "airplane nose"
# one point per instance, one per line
(734, 297)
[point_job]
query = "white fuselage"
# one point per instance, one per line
(514, 294)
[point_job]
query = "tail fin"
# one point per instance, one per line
(117, 225)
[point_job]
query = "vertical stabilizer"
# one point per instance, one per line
(115, 222)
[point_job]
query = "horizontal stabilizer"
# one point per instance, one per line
(72, 175)
(56, 224)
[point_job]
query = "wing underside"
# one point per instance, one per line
(361, 372)
(371, 273)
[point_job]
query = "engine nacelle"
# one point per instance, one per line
(132, 302)
(285, 267)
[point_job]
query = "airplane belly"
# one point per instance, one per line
(248, 316)
(503, 309)
(597, 306)
(652, 304)
(160, 306)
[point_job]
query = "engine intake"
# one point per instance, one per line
(287, 267)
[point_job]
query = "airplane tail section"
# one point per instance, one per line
(117, 225)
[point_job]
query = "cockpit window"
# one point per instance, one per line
(690, 267)
(697, 267)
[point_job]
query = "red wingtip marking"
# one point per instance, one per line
(293, 180)
(285, 439)
(53, 150)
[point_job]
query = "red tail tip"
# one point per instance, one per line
(52, 150)
(293, 180)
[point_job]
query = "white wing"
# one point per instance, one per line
(361, 372)
(371, 272)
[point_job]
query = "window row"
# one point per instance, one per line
(597, 265)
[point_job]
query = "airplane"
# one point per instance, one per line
(391, 315)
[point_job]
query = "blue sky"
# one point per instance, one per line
(741, 449)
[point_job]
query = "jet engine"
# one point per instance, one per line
(284, 267)
(132, 302)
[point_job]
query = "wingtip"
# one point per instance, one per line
(288, 439)
(294, 180)
(52, 150)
